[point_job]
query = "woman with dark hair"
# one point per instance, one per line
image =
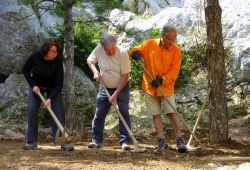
(44, 72)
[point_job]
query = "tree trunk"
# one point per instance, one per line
(216, 73)
(68, 60)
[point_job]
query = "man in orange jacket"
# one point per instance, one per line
(162, 58)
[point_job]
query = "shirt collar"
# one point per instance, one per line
(169, 48)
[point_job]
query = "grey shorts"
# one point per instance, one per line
(158, 104)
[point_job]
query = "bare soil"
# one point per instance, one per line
(110, 156)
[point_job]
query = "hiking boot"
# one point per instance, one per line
(94, 145)
(181, 146)
(30, 146)
(162, 145)
(125, 146)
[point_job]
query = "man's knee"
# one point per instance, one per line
(171, 115)
(157, 116)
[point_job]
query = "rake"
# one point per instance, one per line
(64, 139)
(135, 142)
(177, 113)
(197, 121)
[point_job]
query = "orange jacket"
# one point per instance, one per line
(161, 62)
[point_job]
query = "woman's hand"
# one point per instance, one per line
(36, 89)
(47, 103)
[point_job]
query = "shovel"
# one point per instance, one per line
(197, 121)
(135, 142)
(64, 139)
(177, 113)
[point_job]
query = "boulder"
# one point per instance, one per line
(85, 96)
(120, 18)
(11, 133)
(20, 35)
(150, 7)
(239, 129)
(13, 98)
(184, 20)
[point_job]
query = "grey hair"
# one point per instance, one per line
(107, 39)
(168, 28)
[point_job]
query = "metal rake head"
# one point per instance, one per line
(139, 149)
(69, 135)
(191, 148)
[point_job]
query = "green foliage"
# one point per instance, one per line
(86, 37)
(102, 6)
(155, 33)
(185, 70)
(145, 16)
(44, 117)
(29, 2)
(198, 53)
(136, 74)
(59, 11)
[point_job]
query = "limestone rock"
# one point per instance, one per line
(20, 36)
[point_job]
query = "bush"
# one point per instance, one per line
(136, 74)
(86, 37)
(185, 70)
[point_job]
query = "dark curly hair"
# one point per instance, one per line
(48, 44)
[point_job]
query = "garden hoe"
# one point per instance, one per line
(135, 142)
(177, 113)
(64, 139)
(190, 148)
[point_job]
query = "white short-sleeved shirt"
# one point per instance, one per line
(111, 67)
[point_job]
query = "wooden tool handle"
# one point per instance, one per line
(199, 116)
(177, 113)
(53, 115)
(120, 116)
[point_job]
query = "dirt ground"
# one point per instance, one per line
(49, 156)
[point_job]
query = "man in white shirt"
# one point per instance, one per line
(114, 71)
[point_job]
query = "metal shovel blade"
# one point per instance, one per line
(190, 148)
(68, 136)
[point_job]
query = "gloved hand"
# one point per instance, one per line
(157, 82)
(135, 55)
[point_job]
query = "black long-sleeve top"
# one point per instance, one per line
(44, 73)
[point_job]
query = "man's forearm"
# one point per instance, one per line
(123, 82)
(92, 66)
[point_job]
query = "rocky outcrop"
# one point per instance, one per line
(85, 96)
(121, 18)
(19, 36)
(189, 18)
(240, 128)
(23, 30)
(151, 7)
(189, 100)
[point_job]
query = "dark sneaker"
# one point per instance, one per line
(67, 147)
(30, 146)
(125, 146)
(181, 146)
(94, 145)
(162, 145)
